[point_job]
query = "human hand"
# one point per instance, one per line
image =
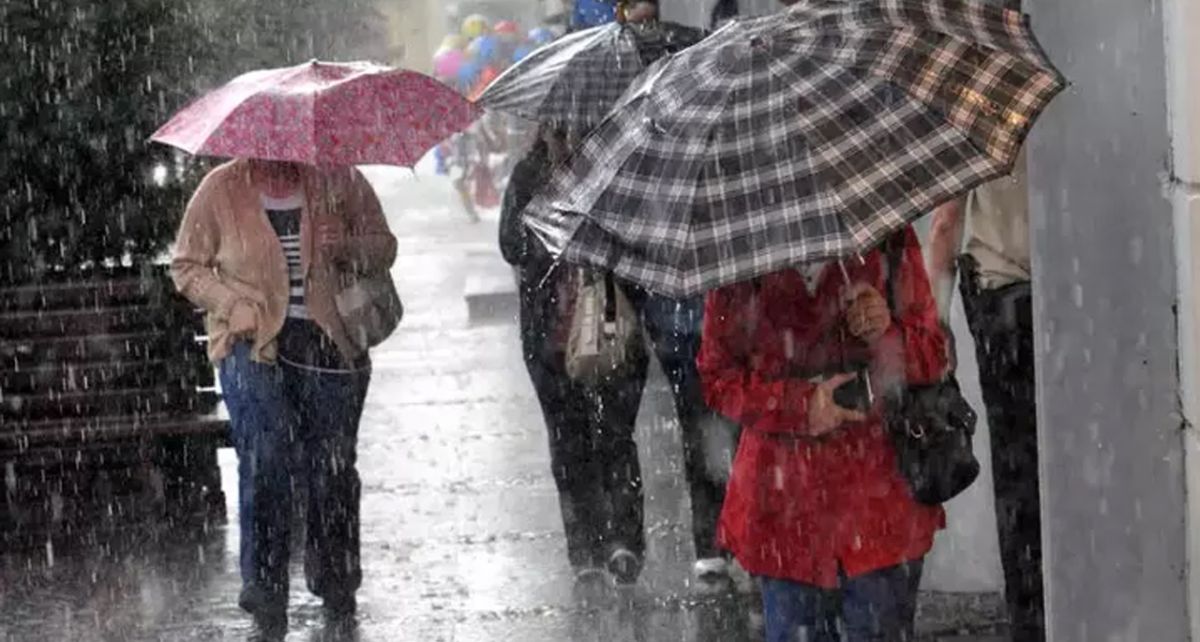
(824, 415)
(243, 318)
(868, 316)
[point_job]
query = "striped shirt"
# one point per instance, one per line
(284, 214)
(302, 343)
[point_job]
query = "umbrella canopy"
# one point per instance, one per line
(794, 139)
(577, 79)
(322, 114)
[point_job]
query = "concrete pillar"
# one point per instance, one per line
(1105, 288)
(1182, 18)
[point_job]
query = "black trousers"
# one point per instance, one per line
(1001, 322)
(593, 455)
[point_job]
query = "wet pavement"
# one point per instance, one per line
(461, 533)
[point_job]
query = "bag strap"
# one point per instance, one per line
(893, 249)
(610, 298)
(893, 259)
(893, 252)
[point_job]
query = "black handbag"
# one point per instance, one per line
(931, 426)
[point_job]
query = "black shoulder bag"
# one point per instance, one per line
(931, 425)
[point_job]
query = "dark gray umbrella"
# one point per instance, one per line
(807, 136)
(577, 78)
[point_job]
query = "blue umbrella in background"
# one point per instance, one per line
(541, 36)
(484, 48)
(468, 73)
(592, 13)
(521, 51)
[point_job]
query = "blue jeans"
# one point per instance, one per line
(293, 425)
(877, 607)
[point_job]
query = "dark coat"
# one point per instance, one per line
(516, 244)
(539, 276)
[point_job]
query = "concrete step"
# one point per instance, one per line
(490, 288)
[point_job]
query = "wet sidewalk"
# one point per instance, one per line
(461, 532)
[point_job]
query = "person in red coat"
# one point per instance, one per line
(816, 506)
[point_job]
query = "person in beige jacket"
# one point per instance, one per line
(264, 247)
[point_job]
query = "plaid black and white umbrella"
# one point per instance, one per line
(577, 79)
(798, 138)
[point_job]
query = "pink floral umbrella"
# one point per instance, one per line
(322, 114)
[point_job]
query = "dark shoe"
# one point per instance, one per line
(270, 625)
(254, 600)
(625, 566)
(269, 611)
(341, 606)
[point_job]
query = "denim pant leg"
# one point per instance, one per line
(673, 327)
(261, 424)
(329, 406)
(882, 606)
(795, 612)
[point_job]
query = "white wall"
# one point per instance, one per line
(966, 556)
(1182, 18)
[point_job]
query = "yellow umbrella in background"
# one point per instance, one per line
(475, 25)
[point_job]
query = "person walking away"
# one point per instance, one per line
(996, 294)
(817, 507)
(673, 327)
(465, 146)
(263, 248)
(593, 455)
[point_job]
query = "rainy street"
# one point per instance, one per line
(600, 321)
(462, 538)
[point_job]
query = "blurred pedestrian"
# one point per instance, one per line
(996, 294)
(817, 506)
(673, 328)
(264, 247)
(462, 159)
(593, 455)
